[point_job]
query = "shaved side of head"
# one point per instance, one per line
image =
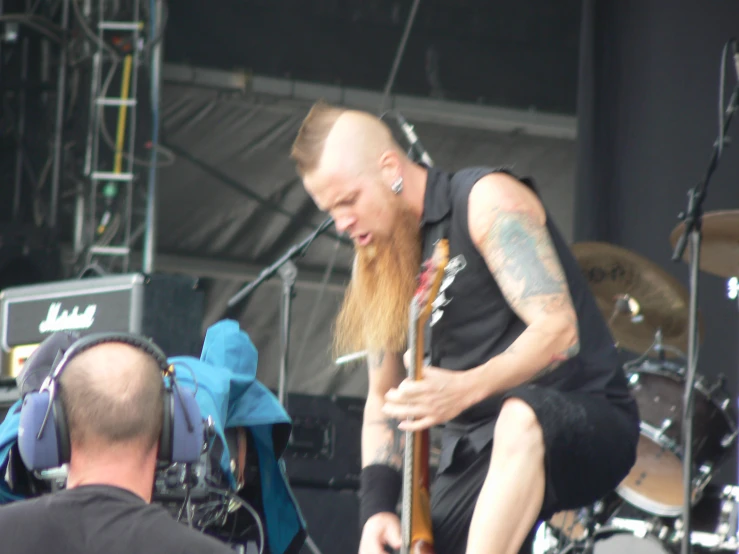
(112, 395)
(356, 144)
(341, 140)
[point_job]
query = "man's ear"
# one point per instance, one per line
(390, 167)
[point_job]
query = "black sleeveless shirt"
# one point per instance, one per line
(471, 320)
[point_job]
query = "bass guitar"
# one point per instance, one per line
(416, 531)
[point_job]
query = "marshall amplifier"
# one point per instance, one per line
(166, 308)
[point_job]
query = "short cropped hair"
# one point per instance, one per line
(308, 146)
(113, 405)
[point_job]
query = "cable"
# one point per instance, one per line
(95, 39)
(167, 153)
(154, 88)
(37, 23)
(192, 372)
(249, 508)
(721, 86)
(399, 54)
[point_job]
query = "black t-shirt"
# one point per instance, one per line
(472, 321)
(98, 519)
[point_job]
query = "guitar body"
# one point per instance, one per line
(416, 528)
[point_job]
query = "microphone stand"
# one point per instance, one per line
(693, 219)
(288, 272)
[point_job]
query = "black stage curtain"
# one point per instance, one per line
(648, 119)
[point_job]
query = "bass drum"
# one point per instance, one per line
(655, 483)
(618, 541)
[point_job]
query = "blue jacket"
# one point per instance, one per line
(228, 392)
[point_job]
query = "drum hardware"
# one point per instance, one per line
(715, 528)
(660, 347)
(658, 310)
(654, 484)
(732, 288)
(666, 424)
(626, 284)
(719, 253)
(626, 304)
(714, 520)
(663, 533)
(729, 525)
(660, 362)
(728, 440)
(694, 228)
(642, 303)
(718, 385)
(578, 525)
(616, 540)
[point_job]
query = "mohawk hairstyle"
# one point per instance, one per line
(308, 145)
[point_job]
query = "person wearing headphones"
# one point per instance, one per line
(110, 417)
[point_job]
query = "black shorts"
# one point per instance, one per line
(590, 448)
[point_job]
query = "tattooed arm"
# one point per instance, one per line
(382, 441)
(507, 222)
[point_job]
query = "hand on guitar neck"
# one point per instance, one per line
(441, 395)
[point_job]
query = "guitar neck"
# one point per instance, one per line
(409, 455)
(416, 528)
(415, 519)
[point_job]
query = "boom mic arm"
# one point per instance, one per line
(416, 145)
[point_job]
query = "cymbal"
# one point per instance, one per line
(636, 297)
(719, 244)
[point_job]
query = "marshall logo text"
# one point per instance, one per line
(64, 320)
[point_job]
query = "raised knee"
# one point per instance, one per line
(518, 431)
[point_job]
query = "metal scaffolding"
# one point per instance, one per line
(109, 196)
(109, 160)
(33, 51)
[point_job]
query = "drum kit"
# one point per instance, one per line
(647, 312)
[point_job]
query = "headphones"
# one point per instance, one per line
(43, 433)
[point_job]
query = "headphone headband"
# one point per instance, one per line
(95, 339)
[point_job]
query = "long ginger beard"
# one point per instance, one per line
(374, 315)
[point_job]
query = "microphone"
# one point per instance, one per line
(410, 134)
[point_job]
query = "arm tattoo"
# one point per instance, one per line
(557, 360)
(554, 363)
(390, 452)
(526, 267)
(524, 260)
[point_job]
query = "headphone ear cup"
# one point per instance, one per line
(187, 439)
(59, 422)
(38, 453)
(165, 440)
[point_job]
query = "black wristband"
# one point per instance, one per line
(379, 490)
